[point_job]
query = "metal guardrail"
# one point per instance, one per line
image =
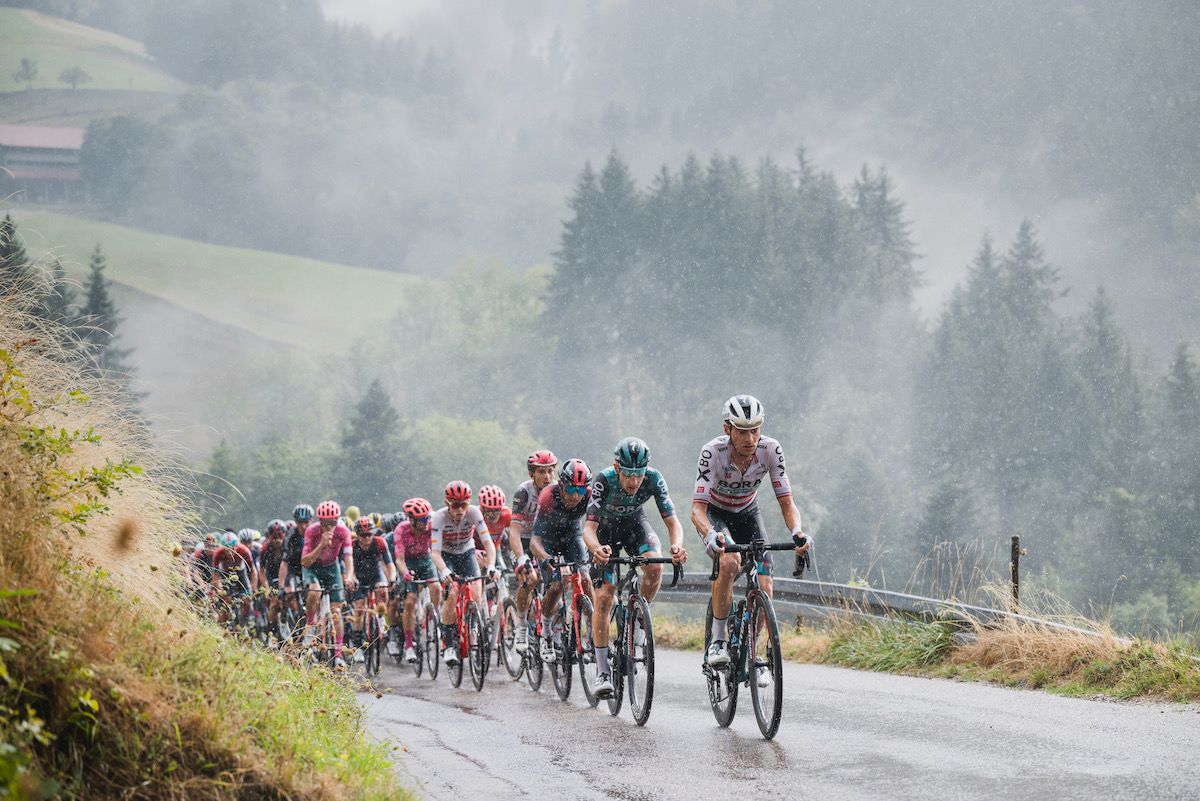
(821, 599)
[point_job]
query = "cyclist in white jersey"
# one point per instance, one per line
(452, 546)
(725, 504)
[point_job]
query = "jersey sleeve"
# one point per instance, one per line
(596, 498)
(519, 502)
(384, 554)
(778, 469)
(705, 470)
(436, 522)
(662, 497)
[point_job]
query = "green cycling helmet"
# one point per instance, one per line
(633, 455)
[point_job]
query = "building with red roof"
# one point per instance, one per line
(40, 164)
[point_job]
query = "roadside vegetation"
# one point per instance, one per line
(1031, 654)
(110, 686)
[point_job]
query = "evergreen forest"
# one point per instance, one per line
(625, 220)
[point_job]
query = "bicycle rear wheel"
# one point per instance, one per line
(722, 681)
(640, 641)
(433, 641)
(418, 645)
(586, 650)
(513, 661)
(560, 668)
(533, 655)
(373, 644)
(618, 658)
(477, 646)
(766, 690)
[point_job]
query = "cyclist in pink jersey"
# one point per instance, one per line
(413, 562)
(324, 542)
(725, 504)
(452, 544)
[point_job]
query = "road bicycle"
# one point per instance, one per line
(427, 632)
(753, 637)
(575, 645)
(631, 638)
(372, 637)
(472, 640)
(537, 624)
(502, 625)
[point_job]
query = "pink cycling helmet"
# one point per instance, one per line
(458, 491)
(491, 497)
(329, 510)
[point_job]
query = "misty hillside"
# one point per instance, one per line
(937, 242)
(1078, 117)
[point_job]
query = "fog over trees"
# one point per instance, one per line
(952, 247)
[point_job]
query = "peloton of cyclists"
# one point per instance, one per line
(616, 520)
(724, 505)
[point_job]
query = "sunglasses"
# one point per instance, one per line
(572, 490)
(423, 520)
(458, 504)
(634, 471)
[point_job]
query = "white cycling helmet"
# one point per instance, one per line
(743, 411)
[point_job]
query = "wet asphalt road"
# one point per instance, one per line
(845, 735)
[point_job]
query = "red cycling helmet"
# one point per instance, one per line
(540, 459)
(363, 525)
(458, 491)
(276, 527)
(575, 473)
(491, 497)
(417, 507)
(329, 510)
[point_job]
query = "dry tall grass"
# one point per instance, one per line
(114, 688)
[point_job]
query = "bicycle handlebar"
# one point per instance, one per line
(676, 574)
(760, 546)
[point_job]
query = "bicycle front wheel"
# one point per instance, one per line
(641, 660)
(766, 665)
(618, 658)
(586, 650)
(477, 646)
(722, 681)
(373, 644)
(560, 668)
(513, 661)
(433, 641)
(533, 653)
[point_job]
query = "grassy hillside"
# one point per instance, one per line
(123, 79)
(112, 61)
(313, 305)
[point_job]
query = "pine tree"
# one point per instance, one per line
(97, 324)
(16, 275)
(369, 458)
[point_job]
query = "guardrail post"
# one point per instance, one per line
(1016, 572)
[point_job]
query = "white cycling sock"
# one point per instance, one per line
(602, 659)
(719, 627)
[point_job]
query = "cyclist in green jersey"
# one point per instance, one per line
(616, 520)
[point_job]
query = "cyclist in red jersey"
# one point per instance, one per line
(541, 466)
(730, 470)
(498, 517)
(374, 570)
(233, 574)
